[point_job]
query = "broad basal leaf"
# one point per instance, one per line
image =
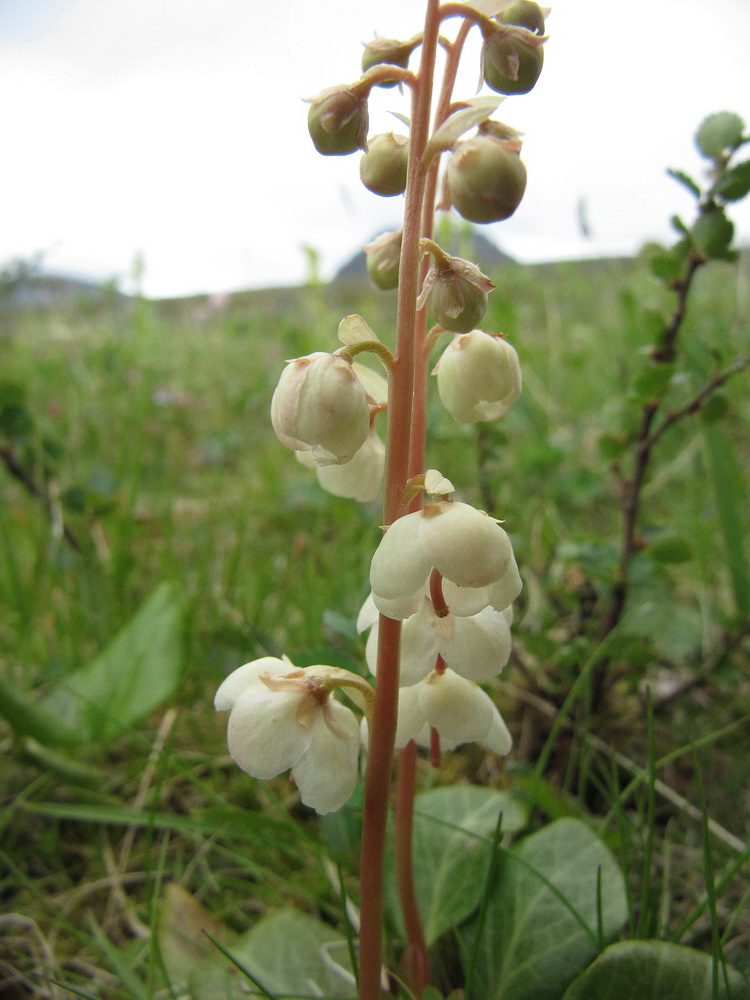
(452, 829)
(131, 677)
(541, 927)
(655, 970)
(290, 953)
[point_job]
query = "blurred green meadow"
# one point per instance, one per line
(170, 521)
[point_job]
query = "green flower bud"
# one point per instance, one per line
(389, 51)
(383, 257)
(454, 291)
(338, 121)
(511, 65)
(486, 178)
(383, 167)
(525, 13)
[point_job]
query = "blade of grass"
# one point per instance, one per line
(645, 914)
(245, 971)
(489, 884)
(731, 505)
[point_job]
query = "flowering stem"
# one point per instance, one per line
(415, 963)
(383, 723)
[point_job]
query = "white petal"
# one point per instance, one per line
(505, 590)
(360, 478)
(419, 647)
(400, 607)
(368, 614)
(411, 718)
(399, 566)
(327, 772)
(263, 734)
(465, 545)
(465, 601)
(478, 647)
(458, 709)
(497, 738)
(246, 676)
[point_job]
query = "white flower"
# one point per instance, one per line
(478, 376)
(468, 548)
(477, 646)
(360, 478)
(320, 406)
(281, 717)
(456, 708)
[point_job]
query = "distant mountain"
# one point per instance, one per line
(32, 290)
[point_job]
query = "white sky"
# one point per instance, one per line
(175, 128)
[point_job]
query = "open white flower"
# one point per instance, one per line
(456, 708)
(476, 646)
(358, 479)
(478, 376)
(282, 717)
(467, 547)
(320, 406)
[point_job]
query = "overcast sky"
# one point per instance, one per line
(176, 129)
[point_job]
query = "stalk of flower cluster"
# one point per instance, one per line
(401, 397)
(416, 961)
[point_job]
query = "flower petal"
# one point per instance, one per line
(504, 591)
(465, 544)
(263, 733)
(246, 676)
(327, 772)
(457, 708)
(411, 718)
(478, 647)
(497, 738)
(400, 565)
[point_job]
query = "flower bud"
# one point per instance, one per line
(389, 51)
(337, 121)
(454, 291)
(382, 168)
(478, 377)
(320, 406)
(383, 258)
(525, 13)
(512, 62)
(486, 178)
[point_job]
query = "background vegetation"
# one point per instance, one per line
(143, 489)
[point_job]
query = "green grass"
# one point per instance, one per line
(160, 412)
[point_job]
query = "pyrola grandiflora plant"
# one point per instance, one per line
(444, 577)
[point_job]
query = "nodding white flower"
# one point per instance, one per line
(467, 547)
(282, 717)
(358, 479)
(320, 406)
(477, 646)
(456, 708)
(478, 376)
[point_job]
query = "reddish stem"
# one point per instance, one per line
(383, 720)
(415, 962)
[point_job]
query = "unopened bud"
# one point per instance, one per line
(389, 51)
(454, 291)
(478, 377)
(525, 13)
(338, 120)
(383, 258)
(486, 178)
(320, 406)
(383, 167)
(512, 63)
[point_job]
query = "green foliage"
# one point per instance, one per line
(656, 970)
(451, 827)
(559, 894)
